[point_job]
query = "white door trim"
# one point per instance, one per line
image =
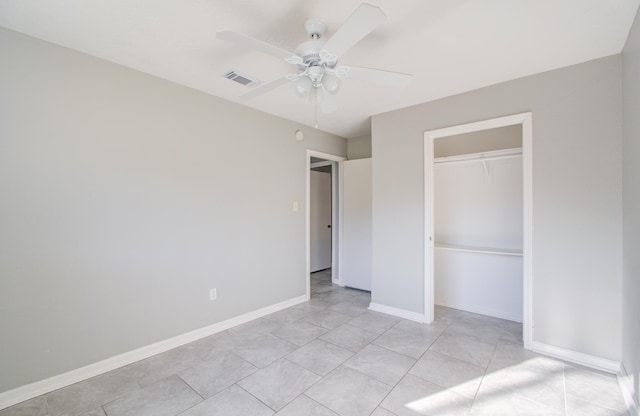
(322, 164)
(336, 227)
(524, 119)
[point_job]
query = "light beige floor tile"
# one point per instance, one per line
(382, 412)
(579, 407)
(404, 343)
(492, 402)
(314, 305)
(304, 406)
(233, 401)
(327, 319)
(601, 389)
(544, 388)
(279, 383)
(461, 377)
(161, 366)
(287, 316)
(381, 364)
(33, 407)
(487, 334)
(300, 332)
(348, 392)
(415, 396)
(164, 398)
(349, 337)
(216, 374)
(320, 356)
(90, 394)
(431, 331)
(264, 350)
(255, 328)
(508, 353)
(349, 308)
(464, 348)
(95, 412)
(373, 322)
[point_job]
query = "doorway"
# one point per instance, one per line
(320, 211)
(525, 122)
(320, 162)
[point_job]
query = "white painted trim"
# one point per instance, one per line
(29, 391)
(400, 313)
(526, 120)
(321, 164)
(339, 232)
(429, 237)
(625, 380)
(336, 230)
(591, 361)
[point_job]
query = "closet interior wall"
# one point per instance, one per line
(478, 213)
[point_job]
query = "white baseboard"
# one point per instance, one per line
(400, 313)
(629, 393)
(29, 391)
(575, 357)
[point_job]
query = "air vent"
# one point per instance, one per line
(241, 78)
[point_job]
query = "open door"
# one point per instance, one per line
(357, 214)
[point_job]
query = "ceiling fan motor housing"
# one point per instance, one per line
(315, 28)
(310, 53)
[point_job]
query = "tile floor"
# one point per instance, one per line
(331, 356)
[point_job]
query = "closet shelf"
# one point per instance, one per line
(480, 250)
(479, 157)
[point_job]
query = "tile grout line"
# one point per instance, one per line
(252, 395)
(484, 374)
(564, 391)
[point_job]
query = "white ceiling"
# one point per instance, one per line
(450, 46)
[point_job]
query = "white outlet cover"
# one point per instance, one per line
(213, 294)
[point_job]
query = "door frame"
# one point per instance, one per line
(526, 121)
(336, 215)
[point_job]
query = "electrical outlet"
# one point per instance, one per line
(213, 294)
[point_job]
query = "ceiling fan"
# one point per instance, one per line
(319, 75)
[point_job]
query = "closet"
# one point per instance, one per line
(478, 216)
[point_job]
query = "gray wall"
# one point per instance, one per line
(631, 206)
(124, 199)
(359, 147)
(501, 138)
(577, 199)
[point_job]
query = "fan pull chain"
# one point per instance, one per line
(315, 90)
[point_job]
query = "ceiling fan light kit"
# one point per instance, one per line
(319, 77)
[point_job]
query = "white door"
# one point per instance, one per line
(320, 221)
(356, 241)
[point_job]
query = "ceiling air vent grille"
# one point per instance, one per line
(241, 78)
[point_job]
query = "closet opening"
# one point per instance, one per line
(478, 219)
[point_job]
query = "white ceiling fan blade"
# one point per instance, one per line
(362, 22)
(380, 77)
(328, 103)
(255, 44)
(264, 88)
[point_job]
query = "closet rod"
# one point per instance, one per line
(479, 157)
